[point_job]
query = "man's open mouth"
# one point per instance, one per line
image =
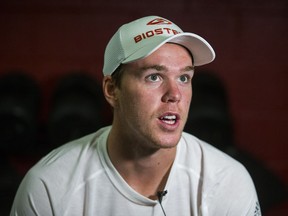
(169, 118)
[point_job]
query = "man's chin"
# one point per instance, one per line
(169, 141)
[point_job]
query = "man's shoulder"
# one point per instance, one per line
(211, 158)
(69, 157)
(223, 179)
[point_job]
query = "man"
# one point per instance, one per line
(143, 164)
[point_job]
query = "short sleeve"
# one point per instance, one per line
(234, 194)
(32, 197)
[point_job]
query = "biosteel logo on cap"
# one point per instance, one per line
(157, 31)
(140, 38)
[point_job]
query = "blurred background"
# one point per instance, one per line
(51, 58)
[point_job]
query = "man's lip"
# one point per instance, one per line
(168, 123)
(162, 116)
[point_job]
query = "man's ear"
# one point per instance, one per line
(109, 90)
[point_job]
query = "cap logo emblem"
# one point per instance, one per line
(159, 21)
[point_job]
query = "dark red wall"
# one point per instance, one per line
(48, 39)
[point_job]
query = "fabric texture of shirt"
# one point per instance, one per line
(78, 178)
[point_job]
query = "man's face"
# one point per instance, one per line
(154, 97)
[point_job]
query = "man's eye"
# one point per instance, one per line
(184, 78)
(153, 78)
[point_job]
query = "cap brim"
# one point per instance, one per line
(200, 49)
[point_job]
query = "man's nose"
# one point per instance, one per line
(172, 93)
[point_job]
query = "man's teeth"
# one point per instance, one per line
(169, 119)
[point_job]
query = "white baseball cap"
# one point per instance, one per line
(140, 38)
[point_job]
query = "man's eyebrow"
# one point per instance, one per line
(188, 68)
(154, 67)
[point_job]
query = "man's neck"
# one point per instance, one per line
(145, 170)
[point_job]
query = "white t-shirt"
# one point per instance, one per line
(79, 179)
